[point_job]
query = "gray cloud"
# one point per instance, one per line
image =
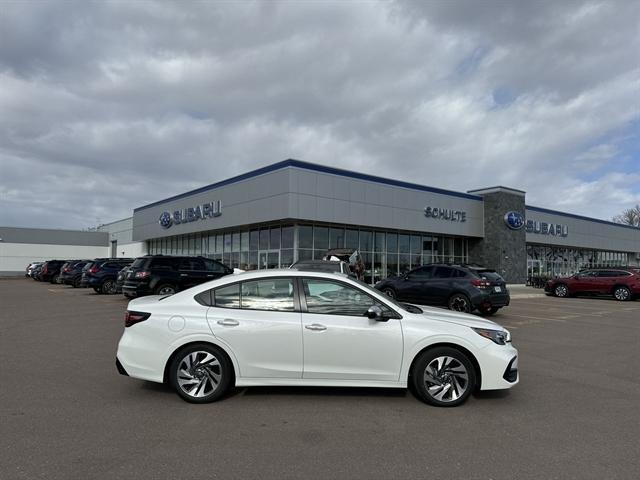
(106, 106)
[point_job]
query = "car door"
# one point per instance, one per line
(606, 279)
(415, 285)
(260, 321)
(339, 341)
(437, 287)
(583, 282)
(192, 272)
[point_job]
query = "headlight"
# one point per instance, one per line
(501, 337)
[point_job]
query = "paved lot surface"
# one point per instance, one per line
(65, 413)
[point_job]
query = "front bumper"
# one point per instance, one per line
(498, 366)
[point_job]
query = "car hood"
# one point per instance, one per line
(464, 319)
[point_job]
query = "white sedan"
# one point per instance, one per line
(295, 328)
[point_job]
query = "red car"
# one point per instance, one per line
(622, 283)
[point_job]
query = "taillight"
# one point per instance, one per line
(44, 269)
(476, 282)
(131, 318)
(94, 269)
(142, 274)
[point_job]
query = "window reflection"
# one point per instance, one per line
(271, 294)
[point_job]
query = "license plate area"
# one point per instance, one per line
(497, 289)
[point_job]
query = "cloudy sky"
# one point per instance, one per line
(107, 106)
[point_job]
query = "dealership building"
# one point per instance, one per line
(293, 210)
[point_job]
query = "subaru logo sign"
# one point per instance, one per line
(165, 220)
(514, 220)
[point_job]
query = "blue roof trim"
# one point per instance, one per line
(316, 168)
(579, 217)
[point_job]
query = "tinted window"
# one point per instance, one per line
(612, 273)
(139, 262)
(227, 297)
(491, 276)
(422, 273)
(192, 264)
(271, 294)
(212, 266)
(161, 263)
(335, 298)
(442, 272)
(455, 273)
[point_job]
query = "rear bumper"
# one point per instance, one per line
(136, 290)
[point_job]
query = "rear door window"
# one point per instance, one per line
(213, 266)
(422, 273)
(442, 272)
(192, 264)
(227, 297)
(270, 294)
(161, 263)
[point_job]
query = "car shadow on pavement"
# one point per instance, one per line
(490, 394)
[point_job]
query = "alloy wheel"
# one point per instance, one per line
(166, 290)
(460, 304)
(561, 291)
(199, 374)
(621, 293)
(390, 293)
(446, 379)
(109, 287)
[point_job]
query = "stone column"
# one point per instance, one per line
(504, 246)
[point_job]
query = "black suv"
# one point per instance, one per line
(165, 275)
(460, 287)
(103, 272)
(51, 270)
(71, 272)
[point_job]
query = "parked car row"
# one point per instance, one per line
(463, 288)
(623, 283)
(148, 275)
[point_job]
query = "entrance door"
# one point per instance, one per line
(269, 259)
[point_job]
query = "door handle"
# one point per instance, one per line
(316, 327)
(209, 275)
(228, 322)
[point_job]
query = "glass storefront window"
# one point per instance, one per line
(286, 257)
(305, 236)
(392, 242)
(392, 264)
(404, 263)
(321, 238)
(336, 238)
(366, 241)
(380, 245)
(351, 239)
(304, 254)
(274, 235)
(254, 240)
(287, 237)
(264, 239)
(404, 243)
(416, 244)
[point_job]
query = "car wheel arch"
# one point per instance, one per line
(231, 358)
(472, 358)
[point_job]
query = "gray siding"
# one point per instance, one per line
(584, 233)
(53, 237)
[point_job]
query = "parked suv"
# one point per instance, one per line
(622, 283)
(51, 270)
(166, 275)
(102, 274)
(71, 272)
(460, 287)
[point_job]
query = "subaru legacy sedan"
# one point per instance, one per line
(297, 328)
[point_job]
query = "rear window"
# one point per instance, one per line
(139, 262)
(491, 276)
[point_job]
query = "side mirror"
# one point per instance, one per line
(375, 313)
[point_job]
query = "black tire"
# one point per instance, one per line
(454, 382)
(489, 311)
(459, 302)
(165, 289)
(76, 283)
(97, 290)
(108, 287)
(54, 279)
(622, 293)
(389, 292)
(561, 290)
(198, 382)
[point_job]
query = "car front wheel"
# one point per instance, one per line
(201, 373)
(622, 293)
(561, 291)
(443, 377)
(108, 287)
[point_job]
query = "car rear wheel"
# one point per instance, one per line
(54, 279)
(165, 289)
(76, 283)
(459, 303)
(443, 377)
(622, 293)
(561, 290)
(201, 373)
(489, 311)
(389, 292)
(108, 287)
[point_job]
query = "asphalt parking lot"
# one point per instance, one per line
(66, 413)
